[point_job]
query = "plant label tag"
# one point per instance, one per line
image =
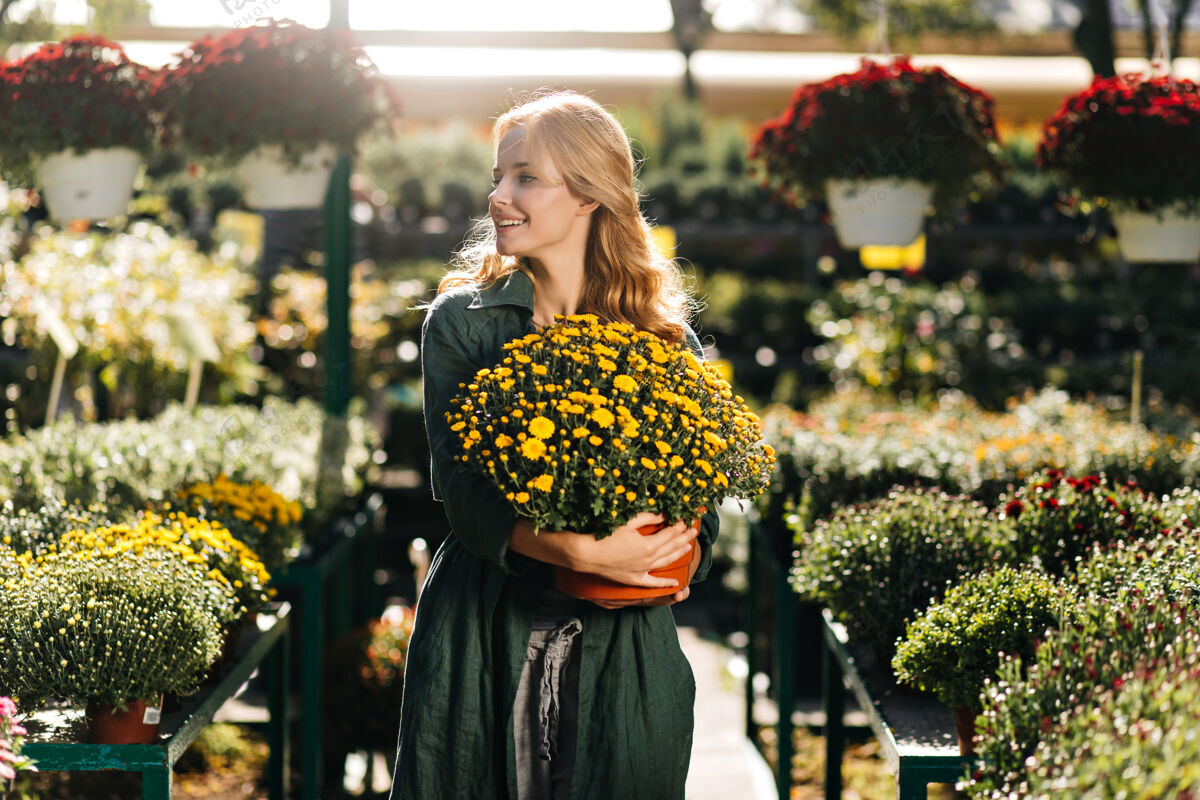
(191, 334)
(152, 716)
(49, 319)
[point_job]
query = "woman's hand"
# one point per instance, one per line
(665, 600)
(629, 557)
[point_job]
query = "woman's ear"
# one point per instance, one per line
(586, 206)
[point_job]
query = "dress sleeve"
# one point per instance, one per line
(479, 516)
(710, 523)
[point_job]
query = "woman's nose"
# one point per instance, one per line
(499, 195)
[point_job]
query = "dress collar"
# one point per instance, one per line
(516, 289)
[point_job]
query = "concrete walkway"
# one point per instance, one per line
(725, 766)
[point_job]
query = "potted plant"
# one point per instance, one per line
(1135, 599)
(878, 564)
(880, 145)
(1129, 143)
(364, 678)
(279, 101)
(953, 647)
(651, 429)
(113, 628)
(74, 117)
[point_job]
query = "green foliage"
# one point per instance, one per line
(854, 446)
(912, 339)
(135, 463)
(878, 564)
(1136, 740)
(1057, 520)
(954, 646)
(431, 171)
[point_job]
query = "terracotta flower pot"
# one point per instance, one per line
(138, 724)
(593, 587)
(964, 729)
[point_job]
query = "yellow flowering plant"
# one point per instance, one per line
(253, 512)
(109, 624)
(586, 424)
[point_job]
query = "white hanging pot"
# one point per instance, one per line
(96, 184)
(879, 211)
(270, 182)
(1144, 237)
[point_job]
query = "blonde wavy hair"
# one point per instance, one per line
(627, 278)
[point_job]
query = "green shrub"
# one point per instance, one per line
(1056, 520)
(877, 564)
(954, 646)
(1135, 740)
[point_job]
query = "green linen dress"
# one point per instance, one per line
(636, 689)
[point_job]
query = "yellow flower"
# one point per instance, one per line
(539, 369)
(543, 483)
(541, 427)
(579, 433)
(625, 383)
(595, 441)
(533, 449)
(647, 463)
(606, 365)
(603, 417)
(663, 447)
(522, 497)
(503, 441)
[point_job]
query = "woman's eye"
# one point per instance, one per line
(528, 178)
(495, 182)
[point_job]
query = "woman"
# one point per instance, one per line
(513, 689)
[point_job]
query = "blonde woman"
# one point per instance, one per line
(512, 689)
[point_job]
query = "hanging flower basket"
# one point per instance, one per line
(74, 118)
(280, 92)
(1173, 235)
(886, 211)
(96, 184)
(886, 122)
(269, 181)
(1130, 142)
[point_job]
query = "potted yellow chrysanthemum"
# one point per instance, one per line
(585, 425)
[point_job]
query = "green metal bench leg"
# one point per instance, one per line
(276, 671)
(833, 694)
(752, 668)
(911, 785)
(785, 678)
(339, 596)
(312, 623)
(156, 784)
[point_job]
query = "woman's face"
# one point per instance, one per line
(535, 215)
